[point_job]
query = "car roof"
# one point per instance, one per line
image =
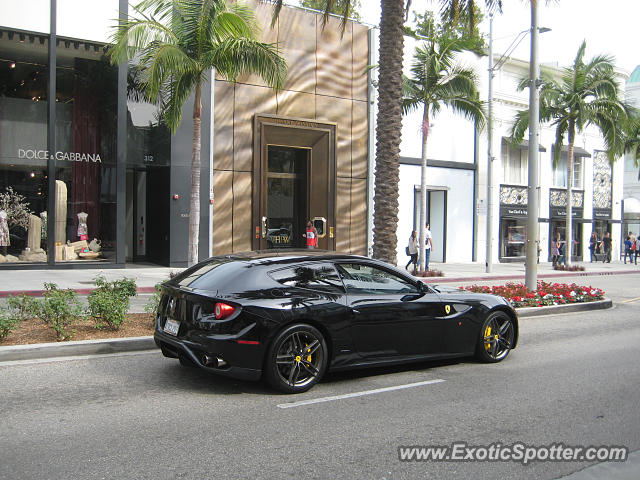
(286, 255)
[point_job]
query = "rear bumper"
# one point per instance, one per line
(241, 361)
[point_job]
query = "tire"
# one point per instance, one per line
(496, 338)
(296, 360)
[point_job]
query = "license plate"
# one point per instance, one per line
(171, 327)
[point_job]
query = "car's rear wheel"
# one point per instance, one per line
(297, 359)
(496, 338)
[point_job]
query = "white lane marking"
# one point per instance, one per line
(630, 300)
(357, 394)
(70, 358)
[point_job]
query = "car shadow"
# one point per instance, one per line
(365, 372)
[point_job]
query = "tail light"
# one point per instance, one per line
(223, 310)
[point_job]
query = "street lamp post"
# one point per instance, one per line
(531, 263)
(490, 158)
(489, 259)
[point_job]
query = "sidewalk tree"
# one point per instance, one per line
(437, 81)
(587, 93)
(176, 44)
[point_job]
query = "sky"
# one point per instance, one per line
(608, 28)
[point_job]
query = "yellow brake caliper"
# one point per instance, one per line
(487, 333)
(308, 356)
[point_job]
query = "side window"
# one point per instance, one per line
(323, 278)
(367, 279)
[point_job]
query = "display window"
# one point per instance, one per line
(513, 238)
(23, 147)
(557, 227)
(86, 112)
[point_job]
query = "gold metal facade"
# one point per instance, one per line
(326, 83)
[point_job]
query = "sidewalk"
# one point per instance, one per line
(14, 282)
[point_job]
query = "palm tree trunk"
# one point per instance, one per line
(388, 130)
(568, 220)
(423, 187)
(194, 200)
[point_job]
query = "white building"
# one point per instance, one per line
(457, 176)
(631, 171)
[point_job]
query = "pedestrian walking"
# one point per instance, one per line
(593, 245)
(428, 246)
(412, 251)
(606, 246)
(555, 250)
(635, 257)
(627, 248)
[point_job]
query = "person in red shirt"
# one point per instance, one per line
(311, 235)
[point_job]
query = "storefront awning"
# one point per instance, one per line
(577, 151)
(524, 145)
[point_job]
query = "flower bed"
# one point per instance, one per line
(547, 293)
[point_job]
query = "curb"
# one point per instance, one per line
(79, 291)
(558, 309)
(135, 344)
(74, 348)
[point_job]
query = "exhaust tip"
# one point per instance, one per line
(213, 361)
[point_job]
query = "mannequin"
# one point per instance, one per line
(5, 240)
(82, 226)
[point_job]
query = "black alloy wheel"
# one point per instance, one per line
(496, 338)
(297, 359)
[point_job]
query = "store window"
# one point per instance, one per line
(558, 227)
(513, 237)
(86, 113)
(23, 146)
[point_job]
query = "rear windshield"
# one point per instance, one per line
(210, 276)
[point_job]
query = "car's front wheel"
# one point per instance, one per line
(297, 359)
(496, 338)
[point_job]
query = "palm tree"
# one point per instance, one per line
(176, 44)
(436, 82)
(587, 94)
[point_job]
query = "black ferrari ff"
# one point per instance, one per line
(289, 316)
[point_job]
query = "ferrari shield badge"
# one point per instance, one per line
(447, 309)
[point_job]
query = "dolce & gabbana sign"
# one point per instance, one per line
(33, 154)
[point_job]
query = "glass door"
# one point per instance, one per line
(287, 202)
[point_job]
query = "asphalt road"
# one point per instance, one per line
(574, 379)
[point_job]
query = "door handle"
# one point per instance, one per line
(355, 311)
(264, 227)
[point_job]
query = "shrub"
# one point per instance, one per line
(154, 302)
(17, 309)
(59, 309)
(109, 303)
(8, 323)
(23, 307)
